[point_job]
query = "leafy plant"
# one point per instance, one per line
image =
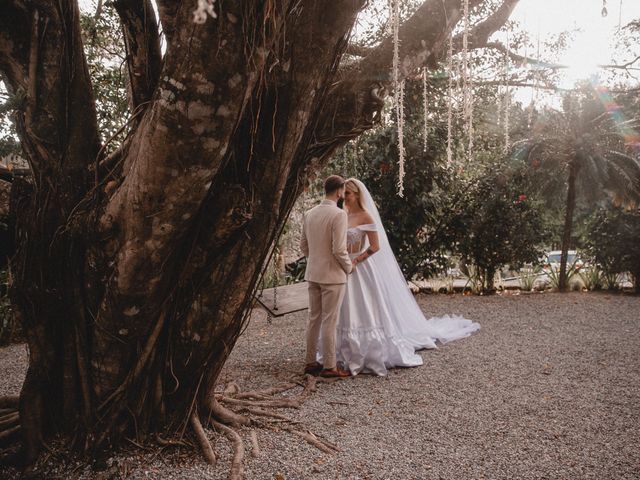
(612, 244)
(475, 280)
(593, 278)
(528, 276)
(583, 148)
(555, 275)
(500, 224)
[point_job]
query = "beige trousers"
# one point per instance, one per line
(324, 303)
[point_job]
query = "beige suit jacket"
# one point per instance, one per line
(324, 243)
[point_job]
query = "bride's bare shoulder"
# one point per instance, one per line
(367, 219)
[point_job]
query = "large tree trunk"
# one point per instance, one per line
(568, 223)
(134, 273)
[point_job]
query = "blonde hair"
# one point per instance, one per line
(352, 186)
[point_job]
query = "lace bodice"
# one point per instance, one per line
(355, 236)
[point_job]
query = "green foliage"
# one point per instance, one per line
(417, 224)
(106, 55)
(528, 276)
(613, 243)
(501, 225)
(592, 277)
(554, 274)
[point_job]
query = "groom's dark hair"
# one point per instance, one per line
(333, 184)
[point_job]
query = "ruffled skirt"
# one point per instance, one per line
(380, 329)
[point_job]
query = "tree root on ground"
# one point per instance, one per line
(312, 439)
(255, 448)
(266, 413)
(9, 435)
(261, 403)
(201, 436)
(9, 401)
(9, 420)
(261, 394)
(237, 465)
(226, 415)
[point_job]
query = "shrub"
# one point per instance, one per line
(612, 244)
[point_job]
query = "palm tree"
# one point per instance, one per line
(585, 147)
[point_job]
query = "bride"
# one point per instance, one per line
(380, 324)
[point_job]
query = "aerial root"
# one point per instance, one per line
(237, 465)
(203, 440)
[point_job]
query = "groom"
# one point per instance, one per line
(324, 243)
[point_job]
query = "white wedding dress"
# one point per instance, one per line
(380, 324)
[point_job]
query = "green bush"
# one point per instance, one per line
(613, 243)
(499, 224)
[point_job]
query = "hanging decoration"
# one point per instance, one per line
(534, 91)
(604, 11)
(205, 7)
(425, 110)
(507, 96)
(401, 151)
(620, 16)
(467, 88)
(450, 102)
(398, 89)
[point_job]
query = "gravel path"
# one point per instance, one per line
(548, 389)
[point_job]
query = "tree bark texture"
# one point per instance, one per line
(133, 282)
(574, 167)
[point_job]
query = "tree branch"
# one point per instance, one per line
(15, 29)
(357, 100)
(142, 41)
(521, 59)
(168, 11)
(623, 66)
(421, 38)
(358, 50)
(480, 33)
(41, 55)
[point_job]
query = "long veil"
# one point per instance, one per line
(401, 304)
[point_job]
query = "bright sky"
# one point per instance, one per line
(592, 45)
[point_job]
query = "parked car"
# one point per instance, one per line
(552, 260)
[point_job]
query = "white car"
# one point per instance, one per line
(552, 260)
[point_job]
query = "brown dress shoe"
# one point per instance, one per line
(334, 373)
(313, 368)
